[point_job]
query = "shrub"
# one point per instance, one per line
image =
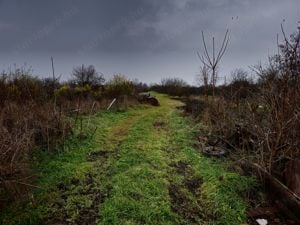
(264, 123)
(24, 127)
(119, 85)
(83, 91)
(174, 86)
(28, 120)
(19, 85)
(87, 75)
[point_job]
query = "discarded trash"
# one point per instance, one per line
(262, 221)
(153, 101)
(147, 98)
(143, 95)
(110, 105)
(286, 200)
(214, 151)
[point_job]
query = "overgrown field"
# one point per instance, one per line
(140, 166)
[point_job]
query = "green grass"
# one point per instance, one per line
(53, 168)
(135, 178)
(140, 193)
(221, 189)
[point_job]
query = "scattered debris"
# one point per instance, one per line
(111, 104)
(153, 101)
(214, 151)
(143, 95)
(286, 200)
(147, 98)
(262, 221)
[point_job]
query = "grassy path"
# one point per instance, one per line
(140, 168)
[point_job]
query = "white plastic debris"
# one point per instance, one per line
(262, 221)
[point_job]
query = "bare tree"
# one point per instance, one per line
(212, 60)
(87, 76)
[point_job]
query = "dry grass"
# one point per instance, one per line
(38, 115)
(22, 129)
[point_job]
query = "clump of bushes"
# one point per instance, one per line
(172, 86)
(118, 86)
(261, 120)
(123, 90)
(20, 86)
(34, 115)
(28, 119)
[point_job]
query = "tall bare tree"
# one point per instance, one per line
(87, 75)
(212, 60)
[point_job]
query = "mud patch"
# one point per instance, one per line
(95, 155)
(186, 195)
(78, 203)
(159, 124)
(190, 180)
(180, 166)
(184, 206)
(192, 184)
(89, 215)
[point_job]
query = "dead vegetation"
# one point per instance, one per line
(39, 115)
(259, 122)
(27, 120)
(263, 121)
(255, 120)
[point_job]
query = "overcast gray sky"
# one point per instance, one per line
(144, 39)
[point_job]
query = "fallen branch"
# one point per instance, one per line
(281, 194)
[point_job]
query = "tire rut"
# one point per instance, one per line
(185, 194)
(80, 199)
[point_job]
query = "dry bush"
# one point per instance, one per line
(28, 120)
(22, 129)
(174, 86)
(15, 143)
(278, 129)
(264, 125)
(118, 86)
(34, 116)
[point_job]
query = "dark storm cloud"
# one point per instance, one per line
(164, 34)
(57, 25)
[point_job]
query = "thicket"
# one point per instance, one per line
(172, 86)
(38, 115)
(261, 120)
(258, 120)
